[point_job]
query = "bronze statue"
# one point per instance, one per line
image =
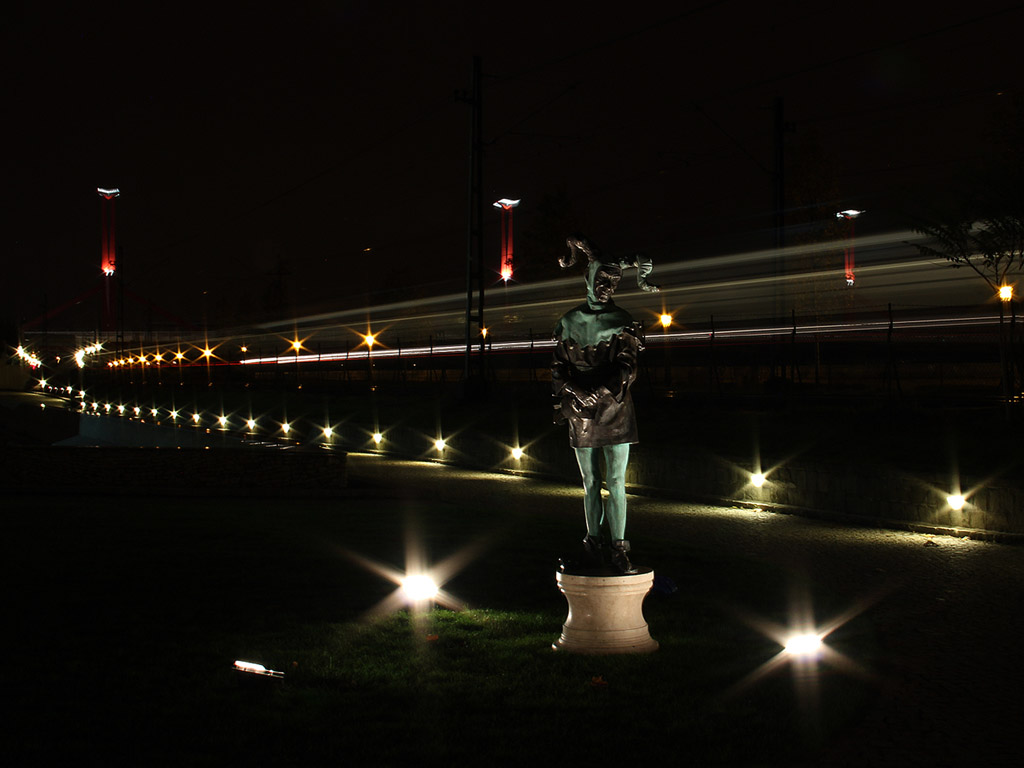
(594, 365)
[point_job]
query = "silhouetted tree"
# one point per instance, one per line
(986, 236)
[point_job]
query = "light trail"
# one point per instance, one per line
(753, 332)
(564, 292)
(745, 295)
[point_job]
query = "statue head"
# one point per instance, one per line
(602, 279)
(603, 274)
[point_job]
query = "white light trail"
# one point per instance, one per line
(754, 332)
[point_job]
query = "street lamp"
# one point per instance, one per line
(207, 354)
(108, 252)
(849, 214)
(296, 346)
(505, 205)
(666, 321)
(369, 339)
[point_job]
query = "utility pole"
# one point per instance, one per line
(779, 184)
(474, 238)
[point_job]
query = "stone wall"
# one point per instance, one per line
(857, 492)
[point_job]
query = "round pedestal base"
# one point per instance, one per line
(606, 613)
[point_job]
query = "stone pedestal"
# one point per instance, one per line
(606, 613)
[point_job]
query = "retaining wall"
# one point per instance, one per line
(860, 491)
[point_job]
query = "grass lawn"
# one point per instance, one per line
(128, 614)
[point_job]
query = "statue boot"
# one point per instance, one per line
(593, 551)
(620, 557)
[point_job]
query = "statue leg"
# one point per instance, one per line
(616, 457)
(590, 469)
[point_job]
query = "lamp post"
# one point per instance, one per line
(849, 214)
(505, 205)
(369, 339)
(207, 354)
(108, 248)
(1005, 295)
(666, 321)
(297, 347)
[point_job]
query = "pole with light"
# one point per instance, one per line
(505, 205)
(297, 348)
(108, 250)
(1005, 295)
(849, 214)
(665, 319)
(369, 339)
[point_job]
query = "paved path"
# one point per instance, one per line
(945, 612)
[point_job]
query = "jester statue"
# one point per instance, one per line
(595, 363)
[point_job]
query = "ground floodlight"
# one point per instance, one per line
(378, 438)
(286, 427)
(440, 444)
(195, 417)
(517, 453)
(757, 479)
(956, 501)
(1005, 292)
(251, 423)
(223, 420)
(666, 320)
(804, 645)
(418, 587)
(328, 431)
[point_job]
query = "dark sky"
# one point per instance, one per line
(260, 154)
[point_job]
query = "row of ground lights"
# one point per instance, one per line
(956, 501)
(224, 422)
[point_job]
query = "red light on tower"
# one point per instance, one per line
(505, 206)
(108, 258)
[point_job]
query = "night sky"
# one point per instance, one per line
(273, 164)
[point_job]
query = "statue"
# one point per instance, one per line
(594, 365)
